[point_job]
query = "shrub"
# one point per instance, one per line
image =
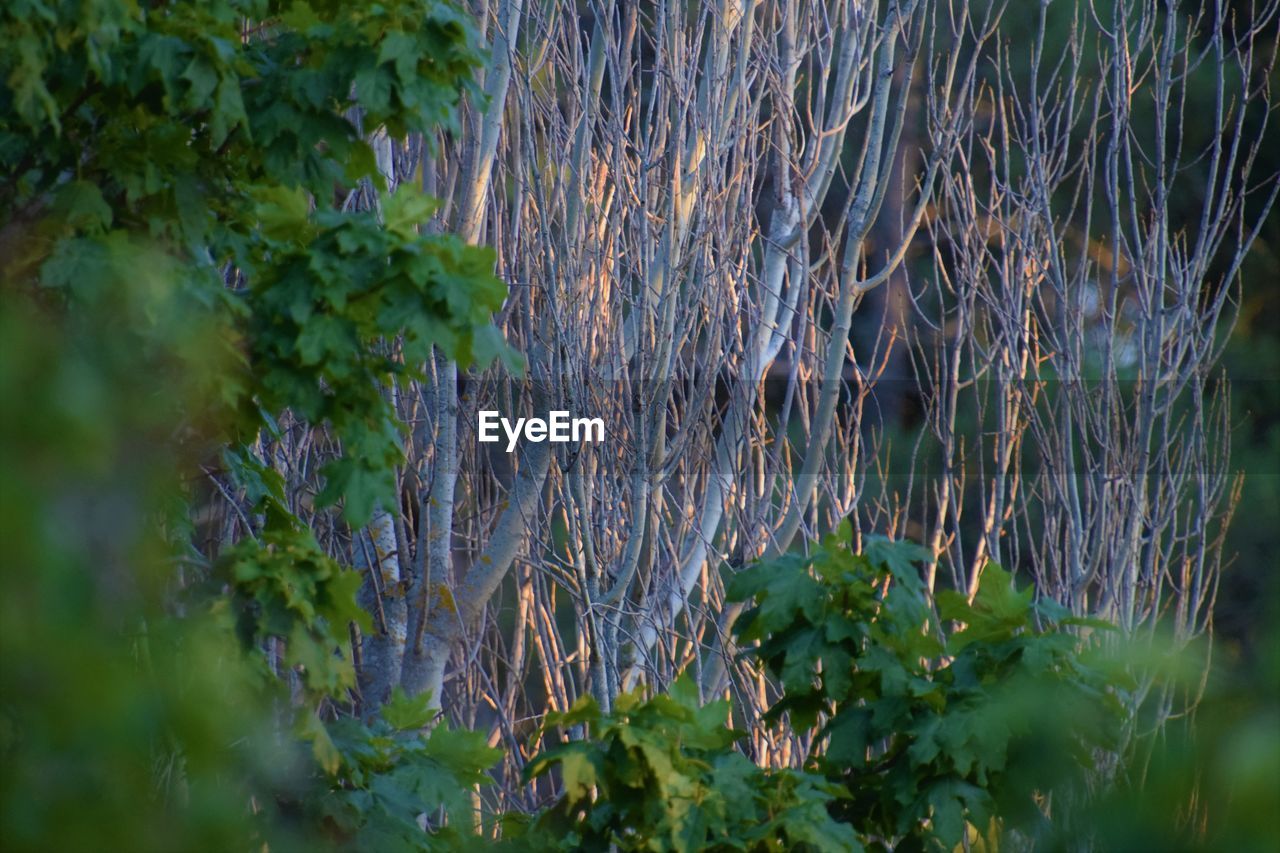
(975, 716)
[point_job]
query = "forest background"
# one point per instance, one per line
(262, 588)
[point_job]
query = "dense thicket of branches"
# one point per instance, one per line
(1041, 213)
(953, 272)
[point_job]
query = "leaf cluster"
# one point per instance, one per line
(226, 141)
(939, 723)
(663, 774)
(195, 237)
(394, 784)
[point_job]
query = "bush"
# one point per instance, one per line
(978, 716)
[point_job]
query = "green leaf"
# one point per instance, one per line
(407, 713)
(373, 87)
(228, 112)
(947, 812)
(257, 479)
(489, 344)
(283, 212)
(359, 484)
(998, 596)
(407, 209)
(325, 671)
(583, 710)
(848, 732)
(81, 206)
(577, 773)
(203, 79)
(340, 606)
(361, 162)
(900, 558)
(466, 754)
(326, 754)
(954, 606)
(403, 50)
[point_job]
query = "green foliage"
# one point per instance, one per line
(663, 774)
(933, 721)
(284, 586)
(129, 130)
(386, 774)
(1211, 781)
(180, 263)
(122, 727)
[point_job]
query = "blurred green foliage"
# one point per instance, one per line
(1211, 781)
(120, 727)
(179, 262)
(217, 144)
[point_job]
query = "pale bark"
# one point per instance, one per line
(680, 199)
